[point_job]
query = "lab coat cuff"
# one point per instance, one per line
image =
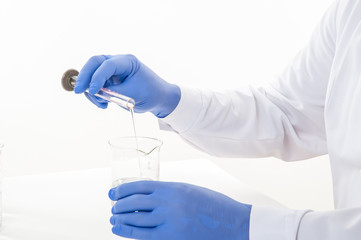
(185, 114)
(272, 223)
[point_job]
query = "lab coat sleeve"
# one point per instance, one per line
(333, 225)
(326, 225)
(283, 119)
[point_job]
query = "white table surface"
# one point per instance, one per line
(74, 205)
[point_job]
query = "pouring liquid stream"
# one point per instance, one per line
(120, 181)
(131, 110)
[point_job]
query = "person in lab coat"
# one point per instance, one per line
(313, 108)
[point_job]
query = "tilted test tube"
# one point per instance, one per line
(69, 80)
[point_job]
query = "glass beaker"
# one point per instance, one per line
(134, 159)
(1, 204)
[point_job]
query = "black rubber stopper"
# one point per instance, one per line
(66, 79)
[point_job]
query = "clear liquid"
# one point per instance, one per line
(120, 181)
(148, 164)
(131, 110)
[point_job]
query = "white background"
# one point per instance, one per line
(200, 43)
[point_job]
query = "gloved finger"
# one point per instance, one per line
(126, 89)
(96, 98)
(136, 219)
(87, 72)
(134, 232)
(127, 189)
(114, 80)
(96, 101)
(121, 65)
(136, 202)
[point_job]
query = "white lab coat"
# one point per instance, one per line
(313, 108)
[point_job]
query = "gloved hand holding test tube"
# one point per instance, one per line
(69, 80)
(127, 76)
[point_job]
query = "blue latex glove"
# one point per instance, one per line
(149, 210)
(126, 75)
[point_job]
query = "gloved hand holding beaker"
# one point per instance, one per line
(151, 210)
(126, 75)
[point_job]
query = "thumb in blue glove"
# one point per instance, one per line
(149, 210)
(126, 75)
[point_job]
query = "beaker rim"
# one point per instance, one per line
(158, 142)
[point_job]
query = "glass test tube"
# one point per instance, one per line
(110, 96)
